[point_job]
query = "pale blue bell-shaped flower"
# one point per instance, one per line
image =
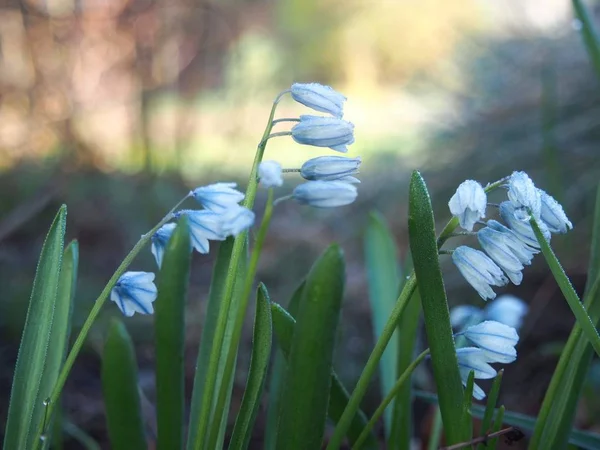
(495, 245)
(235, 220)
(523, 194)
(522, 228)
(319, 97)
(160, 240)
(218, 197)
(496, 339)
(325, 194)
(134, 292)
(479, 270)
(204, 225)
(331, 168)
(507, 309)
(270, 174)
(463, 314)
(468, 203)
(553, 215)
(474, 359)
(324, 132)
(519, 248)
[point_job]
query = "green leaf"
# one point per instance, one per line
(26, 408)
(383, 277)
(85, 441)
(486, 422)
(562, 397)
(208, 332)
(589, 33)
(308, 377)
(169, 322)
(493, 443)
(277, 380)
(259, 363)
(120, 391)
(424, 250)
(283, 326)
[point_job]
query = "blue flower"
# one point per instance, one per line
(325, 194)
(204, 226)
(330, 168)
(320, 98)
(160, 240)
(523, 194)
(520, 249)
(269, 174)
(218, 197)
(465, 314)
(324, 132)
(235, 220)
(474, 359)
(134, 292)
(522, 228)
(553, 215)
(494, 244)
(479, 270)
(507, 309)
(468, 203)
(496, 339)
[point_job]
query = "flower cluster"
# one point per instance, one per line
(506, 248)
(330, 179)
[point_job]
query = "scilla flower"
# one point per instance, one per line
(553, 215)
(474, 359)
(324, 132)
(160, 240)
(320, 98)
(134, 292)
(330, 168)
(269, 174)
(507, 309)
(466, 314)
(325, 194)
(218, 197)
(235, 220)
(468, 204)
(204, 226)
(518, 248)
(522, 228)
(479, 270)
(523, 195)
(496, 339)
(494, 244)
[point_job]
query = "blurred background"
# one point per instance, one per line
(119, 107)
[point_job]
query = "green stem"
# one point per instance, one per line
(85, 329)
(388, 399)
(239, 323)
(386, 334)
(236, 253)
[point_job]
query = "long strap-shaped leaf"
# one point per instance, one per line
(424, 250)
(257, 374)
(283, 326)
(306, 394)
(120, 390)
(25, 411)
(169, 321)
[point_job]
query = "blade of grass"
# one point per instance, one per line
(169, 323)
(120, 391)
(308, 381)
(486, 422)
(424, 250)
(26, 408)
(590, 35)
(383, 275)
(493, 443)
(278, 378)
(85, 440)
(257, 374)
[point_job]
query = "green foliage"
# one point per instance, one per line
(169, 323)
(257, 375)
(423, 246)
(37, 366)
(306, 394)
(486, 421)
(590, 35)
(120, 391)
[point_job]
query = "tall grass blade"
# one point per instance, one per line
(590, 35)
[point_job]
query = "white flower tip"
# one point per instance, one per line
(270, 174)
(468, 203)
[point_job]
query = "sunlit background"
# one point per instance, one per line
(119, 107)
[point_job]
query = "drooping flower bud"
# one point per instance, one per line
(468, 203)
(319, 97)
(324, 132)
(325, 194)
(134, 292)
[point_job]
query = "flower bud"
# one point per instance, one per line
(320, 98)
(468, 203)
(330, 168)
(324, 132)
(325, 194)
(269, 174)
(479, 270)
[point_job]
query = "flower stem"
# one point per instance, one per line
(85, 329)
(388, 399)
(236, 253)
(239, 322)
